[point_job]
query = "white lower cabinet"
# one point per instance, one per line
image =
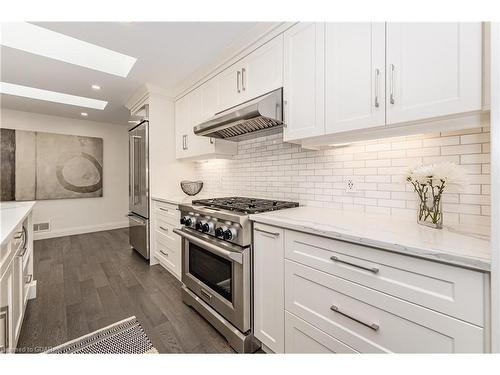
(303, 338)
(268, 293)
(166, 245)
(319, 295)
(370, 321)
(16, 284)
(6, 303)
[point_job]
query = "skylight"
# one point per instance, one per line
(40, 41)
(51, 96)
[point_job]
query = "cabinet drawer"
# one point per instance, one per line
(164, 226)
(167, 238)
(167, 212)
(303, 338)
(370, 321)
(454, 291)
(168, 256)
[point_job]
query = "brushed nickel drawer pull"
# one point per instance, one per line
(28, 279)
(377, 78)
(163, 209)
(373, 326)
(275, 234)
(18, 235)
(164, 253)
(392, 95)
(371, 269)
(165, 229)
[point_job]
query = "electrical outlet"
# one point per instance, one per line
(350, 187)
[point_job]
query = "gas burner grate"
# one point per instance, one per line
(245, 205)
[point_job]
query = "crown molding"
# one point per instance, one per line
(253, 39)
(141, 96)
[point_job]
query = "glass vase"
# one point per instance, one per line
(430, 212)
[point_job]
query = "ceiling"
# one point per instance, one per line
(167, 53)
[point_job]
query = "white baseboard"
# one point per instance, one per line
(80, 230)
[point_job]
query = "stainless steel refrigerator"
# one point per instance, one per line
(139, 189)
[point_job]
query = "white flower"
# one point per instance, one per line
(450, 173)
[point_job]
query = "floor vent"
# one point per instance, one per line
(41, 227)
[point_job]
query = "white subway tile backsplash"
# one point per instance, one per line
(269, 168)
(460, 150)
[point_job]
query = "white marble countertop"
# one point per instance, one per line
(452, 245)
(11, 214)
(179, 199)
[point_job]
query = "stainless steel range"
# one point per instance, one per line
(217, 263)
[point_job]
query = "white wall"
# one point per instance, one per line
(70, 216)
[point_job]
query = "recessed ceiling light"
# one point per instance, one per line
(96, 87)
(50, 96)
(84, 114)
(40, 41)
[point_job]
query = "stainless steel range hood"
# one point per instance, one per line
(260, 113)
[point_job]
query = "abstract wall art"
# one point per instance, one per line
(38, 165)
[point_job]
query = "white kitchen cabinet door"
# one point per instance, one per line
(269, 289)
(209, 99)
(230, 91)
(195, 144)
(355, 76)
(181, 124)
(303, 81)
(433, 69)
(262, 70)
(6, 302)
(17, 296)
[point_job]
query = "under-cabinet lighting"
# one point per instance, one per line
(44, 42)
(84, 114)
(50, 96)
(96, 87)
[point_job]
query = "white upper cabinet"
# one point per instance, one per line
(181, 124)
(254, 75)
(230, 92)
(354, 76)
(209, 99)
(303, 82)
(351, 77)
(191, 110)
(433, 69)
(262, 70)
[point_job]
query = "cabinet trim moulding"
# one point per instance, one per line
(142, 95)
(445, 123)
(255, 38)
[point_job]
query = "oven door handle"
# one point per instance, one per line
(229, 255)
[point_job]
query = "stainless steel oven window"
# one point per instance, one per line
(211, 269)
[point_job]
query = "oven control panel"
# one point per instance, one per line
(224, 230)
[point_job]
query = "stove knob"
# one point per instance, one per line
(219, 231)
(199, 225)
(230, 234)
(186, 220)
(207, 227)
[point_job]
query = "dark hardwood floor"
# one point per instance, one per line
(86, 282)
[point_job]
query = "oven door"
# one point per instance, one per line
(218, 273)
